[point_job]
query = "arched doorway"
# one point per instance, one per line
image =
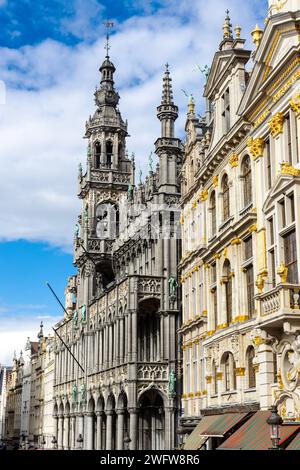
(151, 421)
(110, 423)
(122, 421)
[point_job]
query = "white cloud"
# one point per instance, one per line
(15, 331)
(50, 95)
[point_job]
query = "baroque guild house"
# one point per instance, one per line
(241, 230)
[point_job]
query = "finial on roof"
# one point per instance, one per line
(167, 93)
(191, 105)
(108, 24)
(257, 34)
(238, 31)
(41, 334)
(227, 27)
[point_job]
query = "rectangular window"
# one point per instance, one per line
(271, 231)
(248, 248)
(272, 266)
(290, 256)
(215, 308)
(269, 165)
(213, 273)
(291, 202)
(250, 290)
(282, 213)
(226, 111)
(289, 139)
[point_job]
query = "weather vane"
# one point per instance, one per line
(108, 25)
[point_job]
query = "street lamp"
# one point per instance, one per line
(54, 442)
(274, 421)
(80, 442)
(126, 441)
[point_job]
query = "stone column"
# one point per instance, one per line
(89, 430)
(80, 430)
(133, 428)
(117, 343)
(60, 432)
(99, 415)
(169, 428)
(162, 351)
(66, 432)
(109, 430)
(120, 429)
(134, 336)
(266, 375)
(129, 342)
(73, 432)
(126, 337)
(121, 340)
(55, 428)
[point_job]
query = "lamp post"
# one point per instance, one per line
(274, 421)
(80, 442)
(54, 443)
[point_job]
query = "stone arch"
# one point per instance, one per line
(151, 405)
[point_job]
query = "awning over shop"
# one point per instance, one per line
(255, 434)
(295, 444)
(212, 426)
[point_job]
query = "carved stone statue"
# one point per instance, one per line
(83, 313)
(130, 192)
(80, 171)
(173, 284)
(75, 318)
(82, 393)
(151, 162)
(74, 393)
(76, 231)
(86, 214)
(172, 384)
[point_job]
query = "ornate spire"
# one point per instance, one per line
(227, 27)
(40, 333)
(167, 112)
(167, 93)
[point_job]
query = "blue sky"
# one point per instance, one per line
(50, 52)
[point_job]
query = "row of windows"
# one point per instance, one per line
(246, 176)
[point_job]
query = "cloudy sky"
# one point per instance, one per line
(50, 53)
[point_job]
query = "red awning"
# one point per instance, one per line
(295, 444)
(255, 434)
(212, 426)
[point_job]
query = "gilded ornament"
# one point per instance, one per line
(219, 375)
(235, 241)
(204, 313)
(208, 379)
(295, 104)
(276, 124)
(260, 282)
(252, 228)
(287, 169)
(217, 255)
(181, 219)
(282, 271)
(234, 160)
(279, 380)
(194, 204)
(256, 147)
(222, 326)
(204, 392)
(240, 371)
(215, 181)
(204, 195)
(257, 34)
(211, 332)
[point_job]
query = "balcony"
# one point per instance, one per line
(280, 303)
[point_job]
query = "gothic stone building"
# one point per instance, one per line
(241, 227)
(123, 305)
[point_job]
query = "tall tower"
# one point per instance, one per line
(108, 174)
(168, 147)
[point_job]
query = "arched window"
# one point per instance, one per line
(246, 175)
(228, 366)
(97, 154)
(250, 368)
(227, 278)
(226, 198)
(109, 153)
(213, 213)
